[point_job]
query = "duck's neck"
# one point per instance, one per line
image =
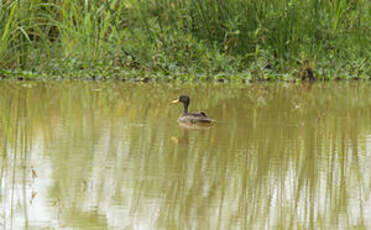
(185, 110)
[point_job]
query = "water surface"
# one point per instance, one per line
(88, 155)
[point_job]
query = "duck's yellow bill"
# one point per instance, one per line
(175, 101)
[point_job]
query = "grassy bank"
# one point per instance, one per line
(185, 39)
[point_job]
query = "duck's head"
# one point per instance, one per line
(183, 99)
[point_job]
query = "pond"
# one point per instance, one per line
(111, 155)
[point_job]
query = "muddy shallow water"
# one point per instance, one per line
(111, 155)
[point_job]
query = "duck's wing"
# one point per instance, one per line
(195, 118)
(203, 114)
(200, 118)
(198, 115)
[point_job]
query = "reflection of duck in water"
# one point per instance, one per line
(191, 118)
(181, 140)
(196, 129)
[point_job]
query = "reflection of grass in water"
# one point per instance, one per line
(293, 159)
(15, 145)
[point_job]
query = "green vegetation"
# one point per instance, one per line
(186, 40)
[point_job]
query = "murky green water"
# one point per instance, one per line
(112, 156)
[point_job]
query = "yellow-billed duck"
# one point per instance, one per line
(193, 118)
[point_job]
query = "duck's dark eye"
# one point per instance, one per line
(183, 99)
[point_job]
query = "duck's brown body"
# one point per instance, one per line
(191, 118)
(194, 118)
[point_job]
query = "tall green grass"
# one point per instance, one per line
(237, 37)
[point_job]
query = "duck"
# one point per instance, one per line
(191, 118)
